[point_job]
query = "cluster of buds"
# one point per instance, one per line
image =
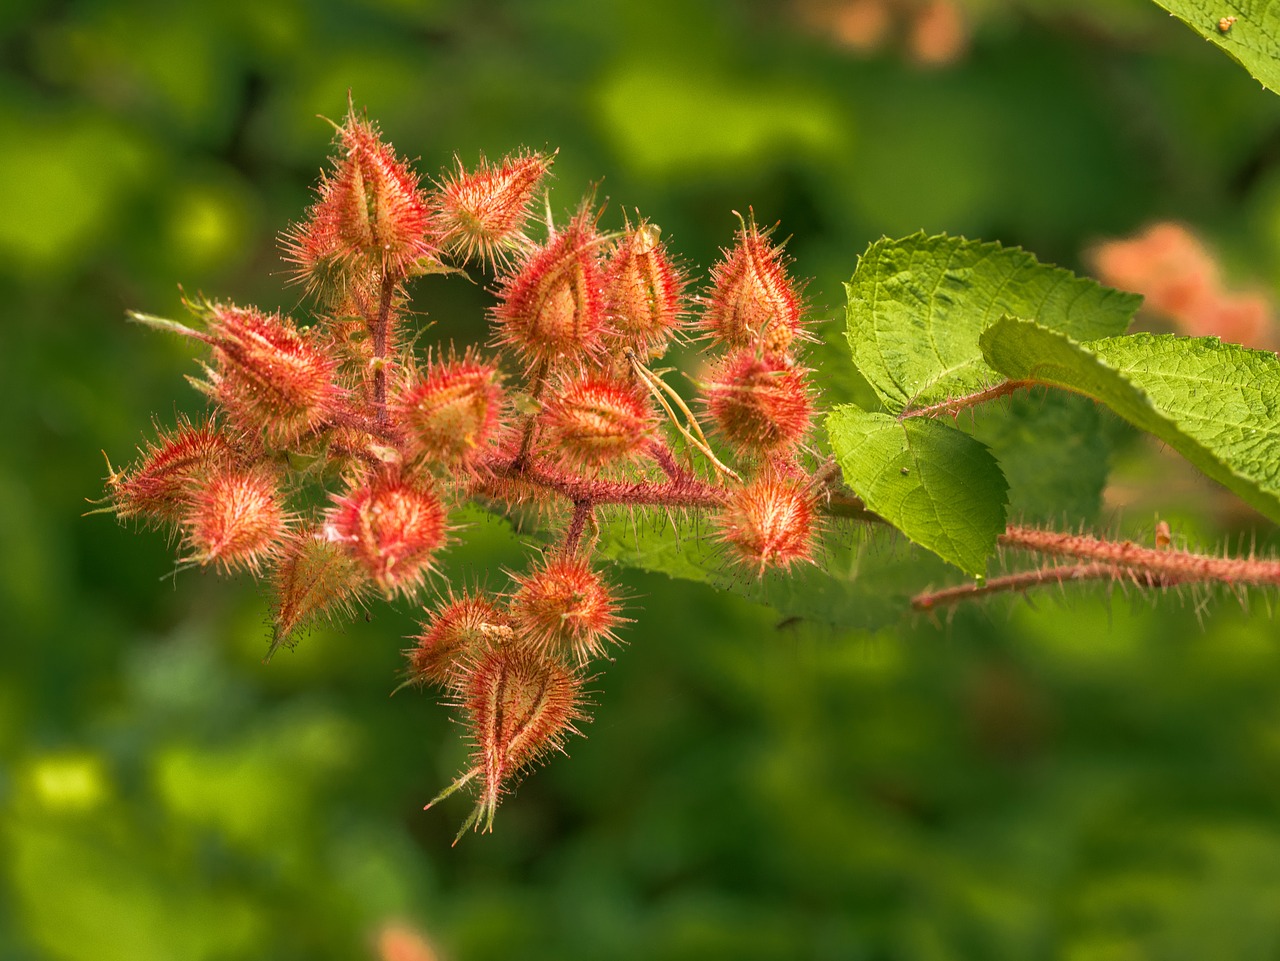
(335, 451)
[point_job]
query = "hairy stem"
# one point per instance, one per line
(953, 405)
(537, 383)
(345, 418)
(687, 492)
(1025, 580)
(582, 511)
(380, 330)
(1161, 562)
(662, 455)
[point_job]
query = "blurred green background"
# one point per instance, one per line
(1087, 779)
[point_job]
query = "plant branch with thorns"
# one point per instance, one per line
(334, 453)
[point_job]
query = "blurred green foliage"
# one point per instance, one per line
(1088, 780)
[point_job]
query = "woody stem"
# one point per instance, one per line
(380, 330)
(537, 383)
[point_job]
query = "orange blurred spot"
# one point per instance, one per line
(1181, 281)
(934, 32)
(938, 34)
(399, 942)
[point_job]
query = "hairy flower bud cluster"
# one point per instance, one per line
(752, 302)
(769, 522)
(644, 292)
(513, 667)
(550, 309)
(337, 449)
(760, 402)
(483, 211)
(269, 376)
(520, 706)
(592, 421)
(392, 527)
(450, 411)
(225, 503)
(371, 214)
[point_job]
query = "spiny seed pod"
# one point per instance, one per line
(519, 705)
(450, 412)
(269, 376)
(563, 606)
(392, 527)
(235, 520)
(593, 421)
(315, 578)
(159, 487)
(643, 292)
(370, 214)
(456, 631)
(769, 522)
(752, 301)
(759, 401)
(483, 211)
(551, 309)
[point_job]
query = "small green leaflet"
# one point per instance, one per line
(1216, 404)
(918, 305)
(1251, 37)
(939, 486)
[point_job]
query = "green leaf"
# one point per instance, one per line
(939, 486)
(918, 305)
(1216, 404)
(1054, 450)
(861, 579)
(1252, 40)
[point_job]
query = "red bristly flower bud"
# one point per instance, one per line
(392, 527)
(483, 212)
(759, 401)
(552, 307)
(563, 606)
(769, 522)
(371, 214)
(643, 292)
(519, 705)
(752, 301)
(450, 413)
(593, 421)
(159, 487)
(236, 519)
(270, 377)
(316, 577)
(455, 632)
